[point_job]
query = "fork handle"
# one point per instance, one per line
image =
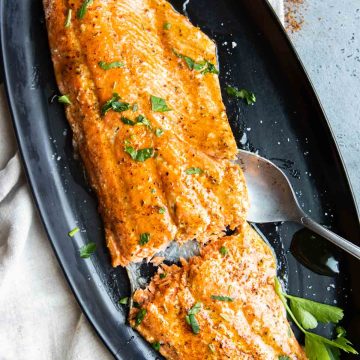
(342, 243)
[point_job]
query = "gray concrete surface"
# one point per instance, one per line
(329, 46)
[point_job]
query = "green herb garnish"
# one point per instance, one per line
(112, 65)
(204, 66)
(87, 250)
(156, 346)
(140, 316)
(162, 210)
(305, 314)
(158, 104)
(248, 96)
(167, 26)
(114, 104)
(83, 8)
(191, 319)
(64, 99)
(73, 231)
(124, 300)
(144, 238)
(284, 357)
(222, 298)
(223, 251)
(163, 275)
(127, 121)
(159, 132)
(194, 170)
(211, 348)
(139, 155)
(68, 18)
(141, 119)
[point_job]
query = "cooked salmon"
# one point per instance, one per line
(220, 305)
(148, 120)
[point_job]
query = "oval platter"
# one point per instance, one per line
(286, 125)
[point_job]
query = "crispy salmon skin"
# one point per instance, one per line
(229, 290)
(148, 121)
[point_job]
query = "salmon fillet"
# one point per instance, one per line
(148, 121)
(239, 314)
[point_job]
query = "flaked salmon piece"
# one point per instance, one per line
(151, 128)
(239, 314)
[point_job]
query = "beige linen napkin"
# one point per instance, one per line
(39, 317)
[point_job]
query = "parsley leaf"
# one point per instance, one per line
(284, 357)
(140, 316)
(135, 107)
(83, 8)
(223, 250)
(163, 275)
(167, 26)
(73, 231)
(158, 104)
(127, 121)
(68, 19)
(144, 238)
(193, 170)
(162, 210)
(124, 300)
(222, 298)
(114, 104)
(321, 312)
(64, 99)
(87, 250)
(159, 132)
(112, 65)
(204, 66)
(141, 119)
(156, 346)
(316, 346)
(248, 96)
(191, 319)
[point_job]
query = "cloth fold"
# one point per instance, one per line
(39, 317)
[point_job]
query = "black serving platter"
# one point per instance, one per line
(286, 125)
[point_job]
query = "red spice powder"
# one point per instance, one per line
(294, 17)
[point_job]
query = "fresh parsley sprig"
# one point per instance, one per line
(158, 104)
(110, 65)
(306, 314)
(83, 8)
(244, 94)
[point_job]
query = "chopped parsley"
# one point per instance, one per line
(158, 104)
(306, 314)
(156, 346)
(124, 301)
(222, 298)
(167, 26)
(193, 170)
(73, 231)
(68, 18)
(139, 155)
(223, 251)
(83, 8)
(141, 119)
(114, 104)
(140, 316)
(163, 275)
(144, 238)
(127, 121)
(112, 65)
(159, 132)
(191, 319)
(64, 99)
(244, 94)
(204, 66)
(162, 210)
(284, 357)
(87, 250)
